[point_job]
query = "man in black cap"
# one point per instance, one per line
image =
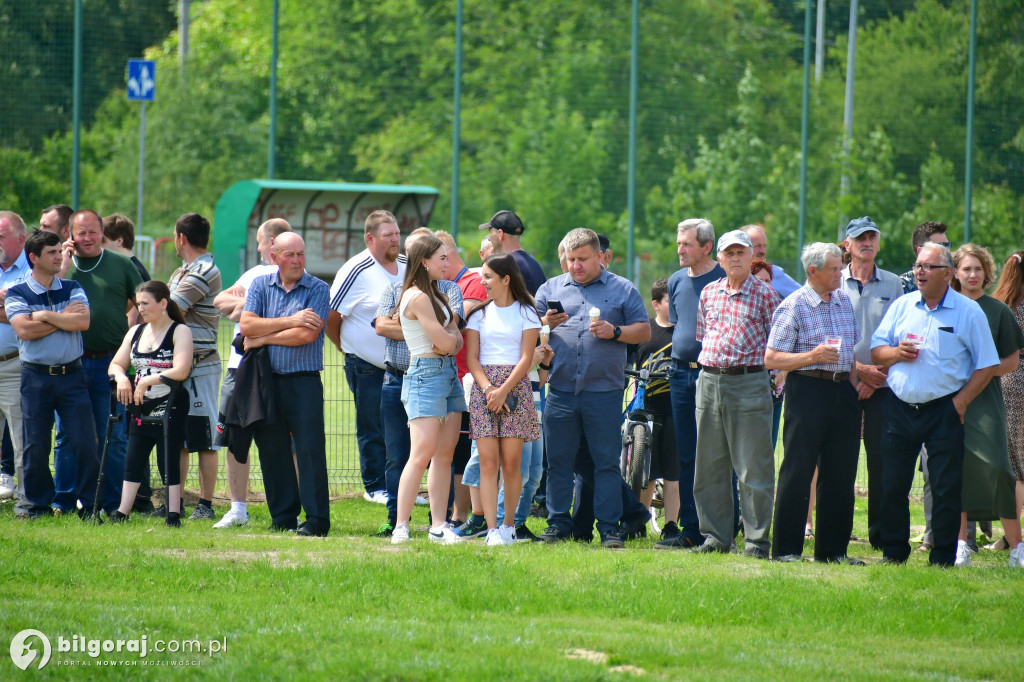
(505, 229)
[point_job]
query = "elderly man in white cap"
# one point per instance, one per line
(734, 403)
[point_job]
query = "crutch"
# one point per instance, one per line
(112, 418)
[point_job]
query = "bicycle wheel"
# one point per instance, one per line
(638, 459)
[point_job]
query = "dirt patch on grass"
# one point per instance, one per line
(631, 669)
(237, 556)
(598, 657)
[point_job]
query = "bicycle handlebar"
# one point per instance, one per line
(646, 374)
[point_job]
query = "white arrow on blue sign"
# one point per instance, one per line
(141, 80)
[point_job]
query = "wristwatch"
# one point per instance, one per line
(618, 333)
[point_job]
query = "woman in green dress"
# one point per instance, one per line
(988, 481)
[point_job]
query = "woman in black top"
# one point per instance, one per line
(160, 346)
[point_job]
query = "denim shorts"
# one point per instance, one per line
(432, 388)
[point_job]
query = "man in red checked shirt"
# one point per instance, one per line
(734, 404)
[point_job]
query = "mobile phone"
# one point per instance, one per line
(511, 402)
(556, 306)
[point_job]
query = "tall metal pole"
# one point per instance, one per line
(76, 124)
(142, 163)
(457, 121)
(819, 43)
(969, 161)
(183, 25)
(851, 63)
(272, 137)
(804, 126)
(631, 183)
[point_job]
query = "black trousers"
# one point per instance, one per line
(872, 409)
(300, 417)
(821, 428)
(936, 425)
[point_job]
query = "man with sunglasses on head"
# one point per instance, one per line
(928, 231)
(940, 354)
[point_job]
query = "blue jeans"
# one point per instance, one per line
(683, 386)
(633, 512)
(7, 457)
(68, 396)
(567, 417)
(531, 468)
(63, 456)
(396, 438)
(365, 382)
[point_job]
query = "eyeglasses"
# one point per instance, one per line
(946, 244)
(926, 267)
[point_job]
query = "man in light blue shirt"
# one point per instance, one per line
(781, 282)
(14, 269)
(940, 354)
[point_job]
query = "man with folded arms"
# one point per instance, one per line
(734, 403)
(813, 335)
(940, 354)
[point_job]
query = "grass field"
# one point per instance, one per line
(354, 607)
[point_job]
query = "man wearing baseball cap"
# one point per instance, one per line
(871, 290)
(505, 229)
(734, 403)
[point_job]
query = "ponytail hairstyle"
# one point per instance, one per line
(160, 292)
(504, 265)
(1010, 289)
(416, 275)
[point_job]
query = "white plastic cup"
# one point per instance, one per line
(836, 341)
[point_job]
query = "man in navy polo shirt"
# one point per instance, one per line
(603, 313)
(49, 315)
(285, 311)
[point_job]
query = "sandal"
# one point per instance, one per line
(808, 532)
(1000, 545)
(926, 547)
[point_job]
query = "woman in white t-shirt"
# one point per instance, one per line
(431, 390)
(501, 336)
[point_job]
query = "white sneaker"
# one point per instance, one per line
(508, 534)
(422, 501)
(494, 538)
(234, 517)
(1017, 556)
(443, 535)
(963, 555)
(6, 486)
(401, 534)
(377, 496)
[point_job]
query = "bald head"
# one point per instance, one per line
(267, 233)
(290, 257)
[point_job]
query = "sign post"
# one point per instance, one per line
(141, 88)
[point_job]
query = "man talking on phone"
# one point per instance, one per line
(603, 313)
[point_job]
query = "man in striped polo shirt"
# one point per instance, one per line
(355, 296)
(193, 287)
(285, 311)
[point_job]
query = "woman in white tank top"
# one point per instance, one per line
(431, 391)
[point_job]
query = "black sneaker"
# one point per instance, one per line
(612, 541)
(635, 529)
(309, 529)
(524, 534)
(552, 535)
(670, 530)
(475, 527)
(174, 520)
(385, 531)
(161, 511)
(117, 517)
(674, 540)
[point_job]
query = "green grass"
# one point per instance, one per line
(353, 607)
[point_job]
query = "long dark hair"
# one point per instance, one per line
(504, 265)
(159, 291)
(417, 276)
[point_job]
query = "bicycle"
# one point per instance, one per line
(637, 428)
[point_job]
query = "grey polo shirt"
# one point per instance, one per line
(582, 361)
(870, 302)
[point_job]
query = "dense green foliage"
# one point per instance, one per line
(365, 94)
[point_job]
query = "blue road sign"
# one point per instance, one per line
(141, 80)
